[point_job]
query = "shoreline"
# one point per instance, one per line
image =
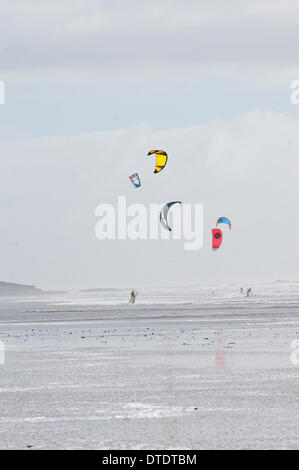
(209, 379)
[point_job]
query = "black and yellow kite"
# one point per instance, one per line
(161, 159)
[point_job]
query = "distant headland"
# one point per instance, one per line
(12, 289)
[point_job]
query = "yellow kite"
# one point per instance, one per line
(161, 159)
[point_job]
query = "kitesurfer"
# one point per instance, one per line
(133, 297)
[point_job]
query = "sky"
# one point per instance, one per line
(91, 86)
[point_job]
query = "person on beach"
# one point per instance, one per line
(241, 290)
(133, 297)
(248, 292)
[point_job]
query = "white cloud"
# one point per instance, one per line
(245, 168)
(87, 38)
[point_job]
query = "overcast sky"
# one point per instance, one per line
(91, 86)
